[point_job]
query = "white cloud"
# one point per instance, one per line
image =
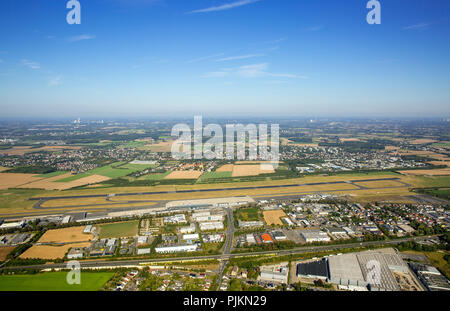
(80, 38)
(30, 64)
(55, 81)
(226, 59)
(224, 7)
(417, 26)
(205, 58)
(251, 71)
(216, 74)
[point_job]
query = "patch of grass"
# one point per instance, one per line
(117, 230)
(157, 176)
(115, 170)
(434, 182)
(248, 214)
(53, 281)
(215, 175)
(133, 144)
(441, 145)
(54, 174)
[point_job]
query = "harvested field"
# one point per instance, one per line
(390, 148)
(50, 252)
(5, 250)
(47, 183)
(343, 140)
(225, 168)
(430, 154)
(94, 179)
(437, 172)
(165, 146)
(184, 175)
(422, 141)
(446, 163)
(66, 235)
(252, 170)
(13, 180)
(21, 150)
(273, 217)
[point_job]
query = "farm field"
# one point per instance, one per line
(117, 230)
(165, 146)
(436, 172)
(422, 141)
(12, 180)
(54, 174)
(50, 252)
(225, 168)
(53, 281)
(156, 176)
(273, 217)
(215, 175)
(66, 235)
(21, 150)
(252, 170)
(184, 175)
(5, 250)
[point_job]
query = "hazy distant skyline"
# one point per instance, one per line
(145, 58)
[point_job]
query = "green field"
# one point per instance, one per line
(115, 170)
(120, 229)
(53, 281)
(441, 145)
(434, 182)
(158, 176)
(133, 144)
(54, 174)
(215, 175)
(248, 214)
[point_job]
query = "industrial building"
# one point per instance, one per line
(175, 219)
(188, 229)
(250, 224)
(430, 277)
(315, 269)
(276, 273)
(176, 248)
(207, 226)
(314, 236)
(193, 236)
(75, 253)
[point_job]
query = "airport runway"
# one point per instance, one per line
(108, 196)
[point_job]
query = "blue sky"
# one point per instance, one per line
(147, 58)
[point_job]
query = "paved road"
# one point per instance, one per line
(298, 250)
(228, 244)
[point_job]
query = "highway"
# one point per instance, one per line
(228, 246)
(224, 256)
